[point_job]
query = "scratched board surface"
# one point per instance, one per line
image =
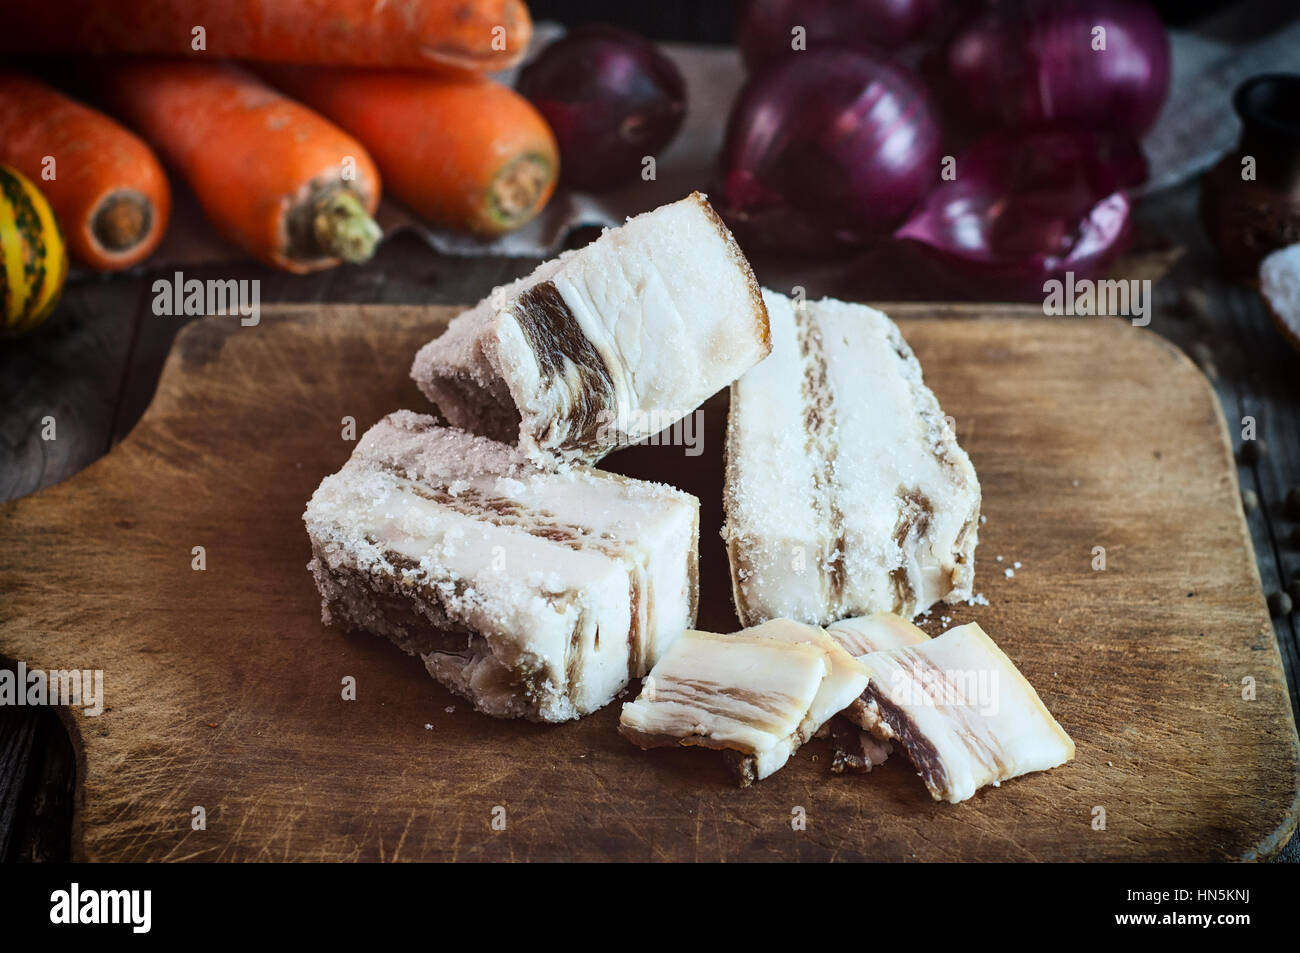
(223, 689)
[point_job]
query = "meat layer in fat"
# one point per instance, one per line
(962, 711)
(856, 748)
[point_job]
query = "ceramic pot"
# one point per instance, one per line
(1246, 217)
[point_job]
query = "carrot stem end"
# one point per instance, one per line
(515, 195)
(343, 229)
(122, 221)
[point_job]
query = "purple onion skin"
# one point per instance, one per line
(763, 32)
(612, 98)
(827, 150)
(1022, 63)
(1026, 207)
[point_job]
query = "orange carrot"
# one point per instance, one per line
(456, 34)
(464, 152)
(275, 178)
(105, 185)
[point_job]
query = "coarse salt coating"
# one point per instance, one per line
(846, 492)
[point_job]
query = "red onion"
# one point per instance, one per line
(764, 32)
(1023, 62)
(827, 149)
(611, 97)
(1025, 207)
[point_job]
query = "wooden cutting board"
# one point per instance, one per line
(224, 689)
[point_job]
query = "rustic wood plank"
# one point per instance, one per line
(1145, 676)
(1275, 406)
(37, 786)
(71, 370)
(1254, 372)
(19, 738)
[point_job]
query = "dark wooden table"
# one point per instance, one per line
(94, 367)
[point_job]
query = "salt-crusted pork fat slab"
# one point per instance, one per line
(846, 492)
(605, 345)
(533, 593)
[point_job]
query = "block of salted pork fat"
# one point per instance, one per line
(534, 593)
(606, 345)
(846, 492)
